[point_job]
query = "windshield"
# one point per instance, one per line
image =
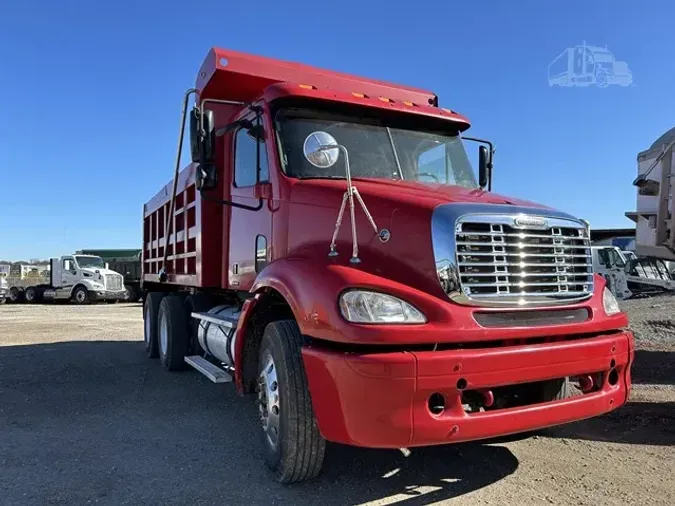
(610, 257)
(90, 262)
(376, 150)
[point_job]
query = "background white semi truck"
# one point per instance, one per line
(79, 278)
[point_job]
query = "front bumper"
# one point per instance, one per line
(381, 400)
(107, 294)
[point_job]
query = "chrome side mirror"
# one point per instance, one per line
(321, 149)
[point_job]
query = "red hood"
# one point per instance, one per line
(315, 191)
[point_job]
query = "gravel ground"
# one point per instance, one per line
(87, 419)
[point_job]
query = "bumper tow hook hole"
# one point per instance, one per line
(613, 377)
(461, 384)
(436, 403)
(612, 364)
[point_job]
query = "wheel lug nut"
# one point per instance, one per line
(275, 410)
(274, 386)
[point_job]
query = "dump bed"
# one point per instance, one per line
(195, 244)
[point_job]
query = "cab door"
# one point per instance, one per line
(69, 275)
(250, 230)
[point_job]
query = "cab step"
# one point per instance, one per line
(209, 369)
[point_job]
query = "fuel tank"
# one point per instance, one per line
(217, 334)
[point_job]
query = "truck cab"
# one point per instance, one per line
(331, 251)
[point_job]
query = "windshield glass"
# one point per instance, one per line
(90, 262)
(376, 150)
(612, 258)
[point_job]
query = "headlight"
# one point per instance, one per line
(359, 306)
(610, 303)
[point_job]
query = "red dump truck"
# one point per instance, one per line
(331, 251)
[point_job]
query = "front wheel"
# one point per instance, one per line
(81, 295)
(294, 448)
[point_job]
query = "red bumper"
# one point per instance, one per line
(382, 400)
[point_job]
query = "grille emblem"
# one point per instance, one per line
(530, 222)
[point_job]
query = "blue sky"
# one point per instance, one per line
(91, 96)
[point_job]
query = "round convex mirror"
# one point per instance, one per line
(317, 151)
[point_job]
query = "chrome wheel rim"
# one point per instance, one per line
(268, 400)
(146, 334)
(80, 295)
(29, 295)
(163, 333)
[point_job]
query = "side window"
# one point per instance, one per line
(245, 147)
(68, 264)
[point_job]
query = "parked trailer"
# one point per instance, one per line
(330, 250)
(128, 263)
(79, 278)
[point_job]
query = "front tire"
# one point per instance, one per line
(150, 319)
(81, 295)
(173, 333)
(294, 448)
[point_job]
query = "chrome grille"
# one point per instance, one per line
(523, 258)
(113, 281)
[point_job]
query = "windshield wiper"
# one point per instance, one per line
(393, 148)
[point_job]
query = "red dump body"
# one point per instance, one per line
(372, 397)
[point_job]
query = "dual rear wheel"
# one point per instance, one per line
(293, 446)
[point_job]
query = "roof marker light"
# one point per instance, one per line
(307, 86)
(358, 95)
(385, 99)
(408, 103)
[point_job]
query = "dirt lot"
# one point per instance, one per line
(85, 418)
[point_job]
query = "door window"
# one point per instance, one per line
(245, 147)
(68, 264)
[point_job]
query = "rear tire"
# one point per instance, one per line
(285, 407)
(31, 295)
(150, 319)
(173, 333)
(131, 294)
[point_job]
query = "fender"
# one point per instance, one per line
(246, 312)
(81, 282)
